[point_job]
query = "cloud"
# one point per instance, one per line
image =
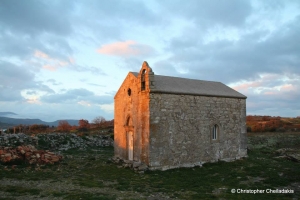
(80, 96)
(50, 68)
(109, 108)
(91, 69)
(84, 103)
(40, 54)
(95, 84)
(14, 79)
(50, 63)
(14, 76)
(31, 92)
(126, 49)
(7, 95)
(53, 64)
(131, 11)
(252, 45)
(33, 100)
(53, 82)
(51, 112)
(36, 17)
(269, 94)
(229, 61)
(210, 13)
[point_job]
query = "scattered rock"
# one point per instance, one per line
(56, 141)
(290, 154)
(136, 166)
(28, 154)
(143, 167)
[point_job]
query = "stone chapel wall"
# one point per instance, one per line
(181, 128)
(134, 107)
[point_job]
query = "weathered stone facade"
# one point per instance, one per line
(181, 130)
(174, 127)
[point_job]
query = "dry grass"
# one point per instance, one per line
(89, 175)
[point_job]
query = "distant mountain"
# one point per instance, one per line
(72, 122)
(7, 113)
(16, 121)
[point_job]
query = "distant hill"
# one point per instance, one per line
(7, 113)
(6, 122)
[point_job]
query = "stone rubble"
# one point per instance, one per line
(55, 141)
(136, 166)
(288, 153)
(28, 154)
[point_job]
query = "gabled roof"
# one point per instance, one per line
(176, 85)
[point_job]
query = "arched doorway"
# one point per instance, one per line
(130, 145)
(129, 137)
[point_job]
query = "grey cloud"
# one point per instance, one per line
(20, 46)
(26, 26)
(33, 17)
(231, 61)
(68, 96)
(98, 85)
(273, 105)
(31, 92)
(40, 86)
(14, 79)
(207, 13)
(8, 94)
(13, 76)
(120, 10)
(53, 82)
(80, 92)
(94, 70)
(12, 45)
(107, 19)
(103, 99)
(76, 95)
(55, 46)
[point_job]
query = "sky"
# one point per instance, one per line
(67, 59)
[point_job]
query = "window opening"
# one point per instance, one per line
(129, 92)
(128, 121)
(215, 132)
(143, 83)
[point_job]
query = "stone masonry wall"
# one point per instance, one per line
(134, 107)
(55, 141)
(181, 130)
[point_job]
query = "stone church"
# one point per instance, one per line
(169, 122)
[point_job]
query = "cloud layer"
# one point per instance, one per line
(69, 57)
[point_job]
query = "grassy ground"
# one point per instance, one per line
(89, 175)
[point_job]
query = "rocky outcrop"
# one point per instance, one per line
(28, 154)
(55, 141)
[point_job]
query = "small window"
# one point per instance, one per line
(143, 84)
(215, 132)
(129, 92)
